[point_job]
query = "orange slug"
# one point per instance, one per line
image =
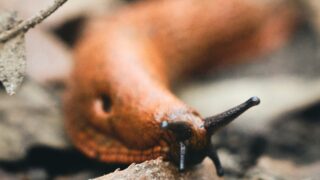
(119, 107)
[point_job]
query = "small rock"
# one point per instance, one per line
(159, 169)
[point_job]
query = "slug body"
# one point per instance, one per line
(119, 107)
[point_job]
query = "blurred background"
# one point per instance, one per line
(279, 139)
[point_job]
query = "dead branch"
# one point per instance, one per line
(24, 26)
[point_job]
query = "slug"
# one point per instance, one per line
(119, 107)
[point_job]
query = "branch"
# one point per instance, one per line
(24, 26)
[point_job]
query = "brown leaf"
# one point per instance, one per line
(12, 56)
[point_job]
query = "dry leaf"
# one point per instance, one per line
(29, 118)
(12, 56)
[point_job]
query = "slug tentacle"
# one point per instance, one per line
(183, 152)
(213, 123)
(212, 153)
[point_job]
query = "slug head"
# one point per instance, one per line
(192, 142)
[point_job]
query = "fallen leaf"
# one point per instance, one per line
(29, 118)
(12, 55)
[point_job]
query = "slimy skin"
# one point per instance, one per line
(119, 102)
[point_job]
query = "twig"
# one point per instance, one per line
(24, 26)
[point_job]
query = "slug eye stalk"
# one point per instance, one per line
(214, 123)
